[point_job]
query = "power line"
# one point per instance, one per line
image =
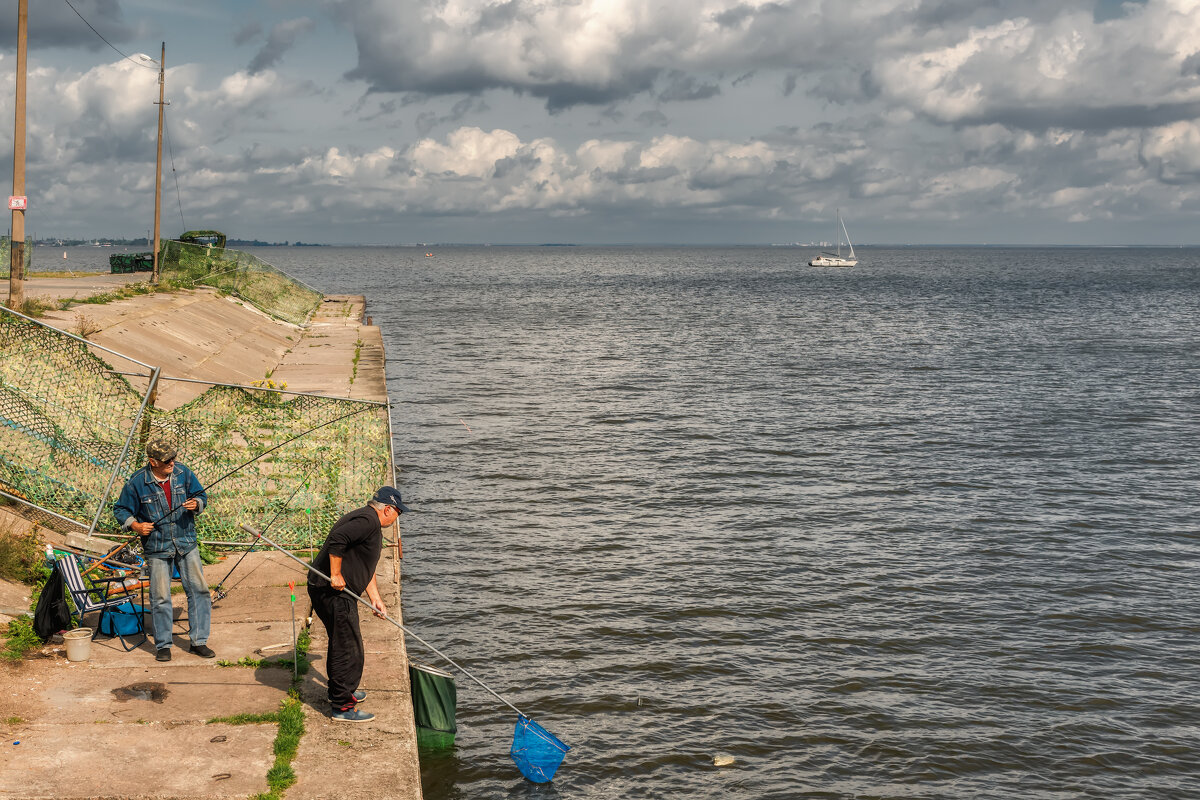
(106, 41)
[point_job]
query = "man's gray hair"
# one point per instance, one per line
(375, 504)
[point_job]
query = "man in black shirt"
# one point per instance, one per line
(349, 557)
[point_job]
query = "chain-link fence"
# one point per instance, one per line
(74, 420)
(241, 274)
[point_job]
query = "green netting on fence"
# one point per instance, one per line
(337, 453)
(241, 274)
(65, 416)
(6, 256)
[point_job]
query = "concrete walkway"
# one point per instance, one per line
(122, 725)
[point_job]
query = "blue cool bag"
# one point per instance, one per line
(122, 619)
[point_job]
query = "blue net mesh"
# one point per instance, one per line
(536, 751)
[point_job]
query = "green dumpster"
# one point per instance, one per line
(124, 263)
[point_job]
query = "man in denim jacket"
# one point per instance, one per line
(160, 504)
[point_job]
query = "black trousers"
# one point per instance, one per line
(338, 612)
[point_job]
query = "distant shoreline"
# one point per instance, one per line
(239, 243)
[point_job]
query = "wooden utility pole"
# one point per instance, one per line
(16, 279)
(162, 61)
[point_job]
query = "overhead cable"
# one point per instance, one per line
(106, 41)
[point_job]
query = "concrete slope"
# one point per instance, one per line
(124, 725)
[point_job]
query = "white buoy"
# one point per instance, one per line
(723, 761)
(64, 253)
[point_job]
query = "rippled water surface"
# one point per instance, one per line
(923, 528)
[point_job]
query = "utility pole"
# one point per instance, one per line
(16, 275)
(158, 162)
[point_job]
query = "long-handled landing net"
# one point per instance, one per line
(536, 752)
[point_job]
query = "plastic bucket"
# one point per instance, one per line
(79, 644)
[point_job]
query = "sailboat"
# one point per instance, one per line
(836, 259)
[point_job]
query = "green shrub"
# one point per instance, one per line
(20, 639)
(21, 556)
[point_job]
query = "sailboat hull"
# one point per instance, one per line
(836, 259)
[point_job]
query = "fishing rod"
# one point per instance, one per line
(176, 509)
(384, 615)
(218, 592)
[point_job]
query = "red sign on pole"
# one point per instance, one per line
(17, 202)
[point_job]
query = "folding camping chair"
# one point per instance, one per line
(104, 597)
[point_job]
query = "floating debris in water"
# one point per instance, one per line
(723, 761)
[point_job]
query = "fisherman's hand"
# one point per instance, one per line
(142, 528)
(191, 505)
(380, 608)
(337, 582)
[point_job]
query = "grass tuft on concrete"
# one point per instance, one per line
(246, 719)
(290, 718)
(287, 742)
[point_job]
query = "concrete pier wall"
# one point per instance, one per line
(84, 732)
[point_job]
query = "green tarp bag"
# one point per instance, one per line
(435, 699)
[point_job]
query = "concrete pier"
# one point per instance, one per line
(123, 725)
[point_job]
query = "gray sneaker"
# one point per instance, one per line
(351, 715)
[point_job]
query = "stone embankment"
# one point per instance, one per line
(122, 725)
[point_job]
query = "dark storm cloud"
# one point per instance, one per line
(281, 39)
(247, 33)
(653, 118)
(936, 14)
(562, 95)
(427, 121)
(739, 15)
(1094, 120)
(569, 54)
(498, 16)
(681, 87)
(54, 24)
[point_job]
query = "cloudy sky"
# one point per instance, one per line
(690, 121)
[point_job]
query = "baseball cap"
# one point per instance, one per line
(161, 449)
(390, 496)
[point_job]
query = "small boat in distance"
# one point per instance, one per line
(836, 259)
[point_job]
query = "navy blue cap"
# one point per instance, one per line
(390, 496)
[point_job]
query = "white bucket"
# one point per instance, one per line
(79, 644)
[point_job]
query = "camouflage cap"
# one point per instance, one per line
(161, 448)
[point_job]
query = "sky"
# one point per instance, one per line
(614, 121)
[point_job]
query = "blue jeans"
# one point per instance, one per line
(191, 574)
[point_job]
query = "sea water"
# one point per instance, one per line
(926, 527)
